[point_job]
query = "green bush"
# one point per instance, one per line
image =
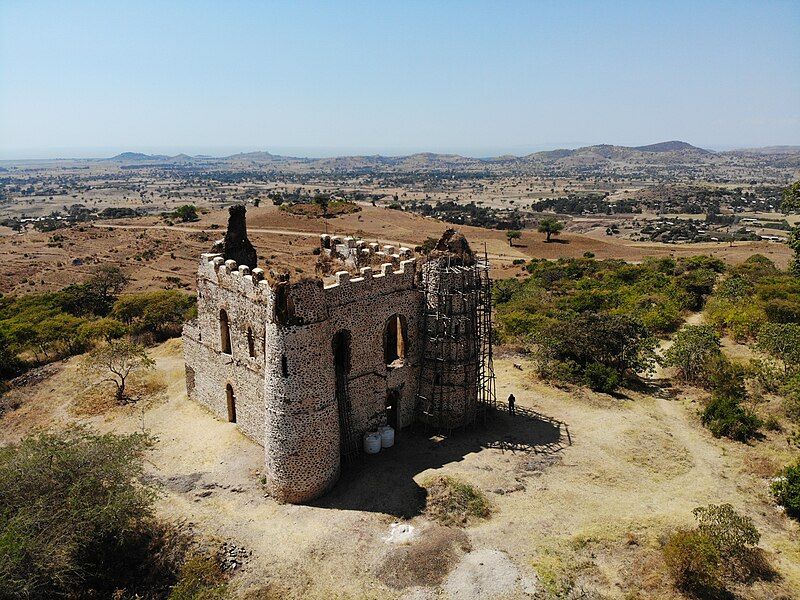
(454, 502)
(722, 548)
(160, 313)
(725, 416)
(694, 562)
(79, 522)
(725, 378)
(692, 351)
(601, 378)
(786, 490)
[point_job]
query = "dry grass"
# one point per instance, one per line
(426, 561)
(98, 399)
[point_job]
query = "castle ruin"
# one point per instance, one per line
(305, 369)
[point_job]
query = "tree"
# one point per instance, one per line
(322, 201)
(513, 234)
(794, 243)
(791, 198)
(782, 341)
(692, 351)
(550, 227)
(117, 360)
(187, 212)
(618, 342)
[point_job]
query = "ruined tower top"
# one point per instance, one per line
(454, 246)
(236, 245)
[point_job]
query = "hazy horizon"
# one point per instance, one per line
(317, 152)
(82, 80)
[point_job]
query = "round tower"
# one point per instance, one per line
(448, 389)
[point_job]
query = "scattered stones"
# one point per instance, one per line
(233, 557)
(182, 483)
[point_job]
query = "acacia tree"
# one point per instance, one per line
(512, 235)
(550, 227)
(117, 360)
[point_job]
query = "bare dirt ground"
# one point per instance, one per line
(157, 255)
(584, 489)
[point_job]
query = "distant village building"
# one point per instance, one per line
(307, 369)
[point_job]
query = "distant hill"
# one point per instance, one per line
(136, 157)
(672, 146)
(600, 158)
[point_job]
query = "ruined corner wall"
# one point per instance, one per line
(245, 297)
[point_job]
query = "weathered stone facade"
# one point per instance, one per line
(305, 369)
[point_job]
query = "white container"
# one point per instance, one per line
(387, 436)
(372, 442)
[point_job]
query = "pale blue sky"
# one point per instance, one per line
(316, 78)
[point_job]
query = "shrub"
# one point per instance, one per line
(791, 397)
(454, 502)
(786, 490)
(766, 374)
(725, 416)
(692, 351)
(160, 313)
(601, 378)
(694, 562)
(781, 341)
(722, 547)
(725, 378)
(80, 512)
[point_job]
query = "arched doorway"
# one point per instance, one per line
(392, 408)
(231, 403)
(341, 362)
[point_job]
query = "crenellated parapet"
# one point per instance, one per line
(239, 279)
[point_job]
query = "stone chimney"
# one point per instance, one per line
(236, 245)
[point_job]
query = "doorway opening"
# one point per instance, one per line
(341, 362)
(392, 408)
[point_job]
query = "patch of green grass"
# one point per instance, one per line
(454, 502)
(201, 578)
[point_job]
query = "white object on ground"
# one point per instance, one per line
(400, 533)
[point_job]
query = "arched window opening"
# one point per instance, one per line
(224, 332)
(394, 340)
(284, 366)
(231, 403)
(251, 343)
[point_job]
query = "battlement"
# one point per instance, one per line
(238, 278)
(370, 284)
(309, 297)
(356, 253)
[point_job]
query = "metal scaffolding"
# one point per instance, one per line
(457, 381)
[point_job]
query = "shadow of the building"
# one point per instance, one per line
(385, 483)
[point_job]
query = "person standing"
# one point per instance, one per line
(511, 402)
